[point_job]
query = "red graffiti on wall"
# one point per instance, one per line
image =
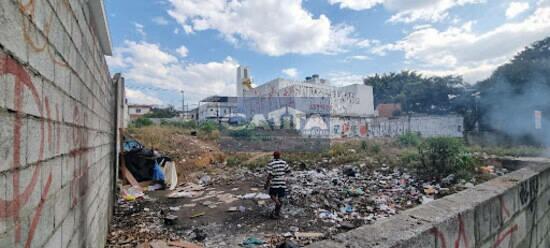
(11, 208)
(79, 152)
(461, 235)
(363, 130)
(507, 232)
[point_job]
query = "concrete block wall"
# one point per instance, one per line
(56, 126)
(510, 211)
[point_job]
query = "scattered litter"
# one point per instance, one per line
(184, 194)
(158, 244)
(308, 235)
(183, 244)
(287, 244)
(195, 215)
(204, 180)
(252, 242)
(489, 169)
(174, 208)
(154, 187)
(257, 196)
(170, 219)
(426, 199)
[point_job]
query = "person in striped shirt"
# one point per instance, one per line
(277, 169)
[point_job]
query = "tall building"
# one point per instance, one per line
(243, 80)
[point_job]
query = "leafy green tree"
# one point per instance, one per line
(514, 91)
(167, 112)
(417, 93)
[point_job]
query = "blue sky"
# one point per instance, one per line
(164, 46)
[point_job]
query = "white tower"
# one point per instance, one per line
(242, 74)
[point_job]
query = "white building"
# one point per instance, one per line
(137, 110)
(354, 100)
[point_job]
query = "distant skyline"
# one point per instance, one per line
(164, 46)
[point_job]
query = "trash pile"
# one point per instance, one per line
(231, 209)
(350, 197)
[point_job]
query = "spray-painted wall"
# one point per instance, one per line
(426, 126)
(353, 100)
(57, 124)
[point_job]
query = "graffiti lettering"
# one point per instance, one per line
(11, 208)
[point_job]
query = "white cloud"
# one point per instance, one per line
(270, 27)
(460, 50)
(516, 8)
(160, 20)
(176, 30)
(358, 57)
(291, 72)
(367, 43)
(409, 11)
(356, 4)
(182, 51)
(140, 29)
(147, 64)
(138, 97)
(345, 78)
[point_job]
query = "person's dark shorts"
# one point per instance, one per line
(278, 192)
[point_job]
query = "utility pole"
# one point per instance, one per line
(183, 102)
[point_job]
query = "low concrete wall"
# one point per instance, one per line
(509, 211)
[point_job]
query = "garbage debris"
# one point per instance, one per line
(256, 196)
(170, 219)
(252, 242)
(288, 244)
(171, 175)
(308, 235)
(195, 215)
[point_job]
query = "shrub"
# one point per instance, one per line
(375, 149)
(337, 150)
(191, 124)
(409, 139)
(441, 156)
(364, 146)
(141, 122)
(208, 127)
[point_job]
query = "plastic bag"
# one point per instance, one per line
(158, 175)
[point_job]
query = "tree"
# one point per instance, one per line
(515, 90)
(167, 112)
(417, 93)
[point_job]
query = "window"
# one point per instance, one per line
(138, 110)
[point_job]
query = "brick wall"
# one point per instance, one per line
(57, 126)
(510, 211)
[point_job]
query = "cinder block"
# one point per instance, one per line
(55, 240)
(36, 140)
(29, 190)
(7, 145)
(39, 59)
(63, 78)
(45, 226)
(12, 30)
(488, 218)
(458, 229)
(52, 168)
(8, 239)
(5, 223)
(67, 229)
